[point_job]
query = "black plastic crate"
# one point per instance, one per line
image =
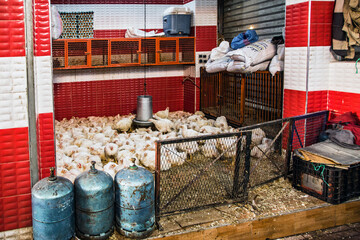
(330, 184)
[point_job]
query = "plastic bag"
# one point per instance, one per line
(240, 67)
(254, 53)
(244, 39)
(220, 51)
(281, 52)
(217, 65)
(56, 23)
(132, 32)
(276, 65)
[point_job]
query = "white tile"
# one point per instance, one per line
(13, 74)
(343, 77)
(205, 13)
(17, 234)
(319, 68)
(43, 84)
(121, 16)
(291, 2)
(13, 96)
(103, 74)
(295, 68)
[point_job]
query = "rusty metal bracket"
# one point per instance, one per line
(188, 78)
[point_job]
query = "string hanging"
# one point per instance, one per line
(146, 48)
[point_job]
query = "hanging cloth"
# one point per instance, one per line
(346, 28)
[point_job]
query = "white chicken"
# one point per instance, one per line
(257, 135)
(200, 113)
(163, 114)
(221, 122)
(259, 150)
(82, 140)
(110, 168)
(111, 150)
(209, 149)
(186, 133)
(163, 125)
(227, 146)
(124, 124)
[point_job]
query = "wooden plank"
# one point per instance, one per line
(334, 152)
(347, 213)
(281, 226)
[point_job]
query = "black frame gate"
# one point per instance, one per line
(197, 173)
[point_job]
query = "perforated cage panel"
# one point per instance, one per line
(122, 52)
(125, 51)
(58, 54)
(167, 50)
(242, 98)
(99, 52)
(77, 53)
(186, 50)
(148, 51)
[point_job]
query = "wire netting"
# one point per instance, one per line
(204, 171)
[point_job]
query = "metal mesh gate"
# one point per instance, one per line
(242, 98)
(204, 171)
(214, 169)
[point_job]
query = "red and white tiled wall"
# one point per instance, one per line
(204, 23)
(331, 84)
(15, 186)
(114, 91)
(43, 87)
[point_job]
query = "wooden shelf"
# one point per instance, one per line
(122, 52)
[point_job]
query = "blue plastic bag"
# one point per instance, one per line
(244, 39)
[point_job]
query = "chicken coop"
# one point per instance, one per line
(72, 71)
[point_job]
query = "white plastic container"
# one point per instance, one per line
(177, 21)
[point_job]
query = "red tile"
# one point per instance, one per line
(322, 12)
(15, 212)
(42, 44)
(12, 38)
(317, 101)
(176, 2)
(296, 25)
(12, 10)
(341, 102)
(14, 145)
(15, 179)
(206, 37)
(294, 103)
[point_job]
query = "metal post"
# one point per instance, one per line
(34, 170)
(242, 101)
(237, 168)
(247, 162)
(289, 147)
(157, 184)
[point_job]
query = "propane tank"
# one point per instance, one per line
(134, 202)
(53, 208)
(94, 204)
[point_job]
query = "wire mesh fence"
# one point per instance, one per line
(243, 98)
(201, 171)
(208, 170)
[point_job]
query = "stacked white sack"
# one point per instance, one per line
(217, 65)
(220, 51)
(277, 63)
(240, 67)
(254, 53)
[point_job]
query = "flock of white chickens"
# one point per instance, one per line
(112, 143)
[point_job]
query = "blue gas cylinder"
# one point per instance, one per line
(134, 202)
(53, 208)
(94, 204)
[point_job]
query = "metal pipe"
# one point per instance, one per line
(34, 168)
